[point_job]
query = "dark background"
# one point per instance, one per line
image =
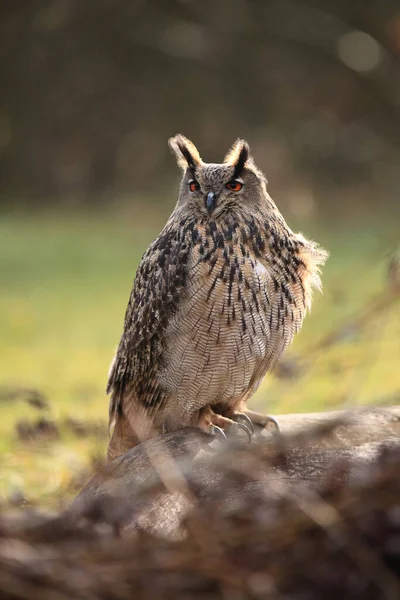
(91, 90)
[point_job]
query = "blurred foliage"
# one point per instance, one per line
(240, 528)
(91, 91)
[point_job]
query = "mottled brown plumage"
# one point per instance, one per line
(217, 298)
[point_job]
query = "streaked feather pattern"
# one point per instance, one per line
(216, 301)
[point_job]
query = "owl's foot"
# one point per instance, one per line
(260, 419)
(244, 419)
(216, 425)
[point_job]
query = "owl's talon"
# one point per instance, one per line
(218, 432)
(275, 423)
(242, 426)
(262, 420)
(244, 420)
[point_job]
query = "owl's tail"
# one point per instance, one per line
(129, 423)
(123, 438)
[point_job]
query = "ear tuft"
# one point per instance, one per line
(185, 152)
(238, 156)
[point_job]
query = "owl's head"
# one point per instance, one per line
(212, 189)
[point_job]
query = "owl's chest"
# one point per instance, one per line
(227, 301)
(227, 329)
(218, 341)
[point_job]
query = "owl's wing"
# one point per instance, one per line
(136, 394)
(293, 267)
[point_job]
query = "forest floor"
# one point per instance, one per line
(65, 282)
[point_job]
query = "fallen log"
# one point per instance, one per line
(154, 486)
(314, 514)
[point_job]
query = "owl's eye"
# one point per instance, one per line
(194, 186)
(234, 185)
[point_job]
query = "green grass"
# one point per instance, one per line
(65, 281)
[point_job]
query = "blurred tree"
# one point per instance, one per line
(91, 90)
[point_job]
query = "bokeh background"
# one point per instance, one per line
(90, 92)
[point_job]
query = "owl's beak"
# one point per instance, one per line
(211, 200)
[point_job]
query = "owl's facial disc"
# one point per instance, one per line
(214, 187)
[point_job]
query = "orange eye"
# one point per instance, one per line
(234, 186)
(194, 186)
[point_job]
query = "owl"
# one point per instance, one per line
(217, 298)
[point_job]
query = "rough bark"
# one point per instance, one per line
(154, 485)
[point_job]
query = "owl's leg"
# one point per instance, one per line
(216, 425)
